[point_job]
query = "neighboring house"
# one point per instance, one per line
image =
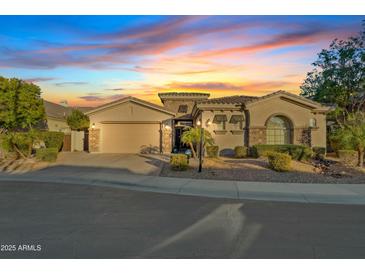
(131, 125)
(56, 115)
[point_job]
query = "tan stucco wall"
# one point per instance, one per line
(173, 105)
(127, 111)
(319, 134)
(77, 140)
(57, 125)
(226, 141)
(299, 115)
(129, 137)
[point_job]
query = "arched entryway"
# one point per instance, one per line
(278, 130)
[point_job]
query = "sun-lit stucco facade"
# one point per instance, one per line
(131, 125)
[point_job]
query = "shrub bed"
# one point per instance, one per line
(348, 157)
(53, 139)
(279, 161)
(23, 142)
(297, 152)
(212, 151)
(240, 152)
(319, 152)
(46, 154)
(179, 161)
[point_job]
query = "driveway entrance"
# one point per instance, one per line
(74, 163)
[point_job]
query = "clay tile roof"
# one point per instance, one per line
(237, 99)
(184, 94)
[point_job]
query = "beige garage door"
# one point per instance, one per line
(130, 138)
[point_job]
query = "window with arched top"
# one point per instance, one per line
(278, 130)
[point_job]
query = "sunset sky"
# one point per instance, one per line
(91, 60)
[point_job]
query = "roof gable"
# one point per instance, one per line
(290, 97)
(130, 99)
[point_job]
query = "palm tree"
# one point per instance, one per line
(191, 137)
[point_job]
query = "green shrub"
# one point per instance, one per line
(5, 143)
(46, 154)
(319, 152)
(240, 152)
(297, 152)
(338, 141)
(279, 161)
(348, 157)
(307, 154)
(22, 142)
(53, 139)
(212, 151)
(179, 161)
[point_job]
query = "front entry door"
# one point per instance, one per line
(178, 144)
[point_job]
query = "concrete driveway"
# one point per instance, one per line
(69, 163)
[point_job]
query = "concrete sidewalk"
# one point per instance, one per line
(285, 192)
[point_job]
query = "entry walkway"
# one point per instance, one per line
(302, 193)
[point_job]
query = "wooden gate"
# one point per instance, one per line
(86, 140)
(66, 142)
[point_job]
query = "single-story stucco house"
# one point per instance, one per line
(131, 125)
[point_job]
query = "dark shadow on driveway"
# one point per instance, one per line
(151, 166)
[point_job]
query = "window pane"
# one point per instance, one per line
(278, 131)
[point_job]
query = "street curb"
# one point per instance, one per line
(238, 190)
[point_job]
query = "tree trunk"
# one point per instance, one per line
(19, 152)
(361, 157)
(192, 150)
(30, 146)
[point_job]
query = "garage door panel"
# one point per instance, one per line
(130, 138)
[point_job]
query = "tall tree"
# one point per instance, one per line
(78, 120)
(21, 108)
(338, 77)
(352, 134)
(21, 105)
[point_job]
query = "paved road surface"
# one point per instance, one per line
(71, 221)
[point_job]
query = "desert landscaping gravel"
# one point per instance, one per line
(257, 170)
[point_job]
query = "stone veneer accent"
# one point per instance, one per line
(302, 136)
(166, 140)
(94, 140)
(256, 136)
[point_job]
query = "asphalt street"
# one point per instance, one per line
(41, 220)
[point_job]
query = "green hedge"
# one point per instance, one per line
(53, 139)
(279, 161)
(179, 161)
(212, 151)
(46, 154)
(240, 152)
(297, 152)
